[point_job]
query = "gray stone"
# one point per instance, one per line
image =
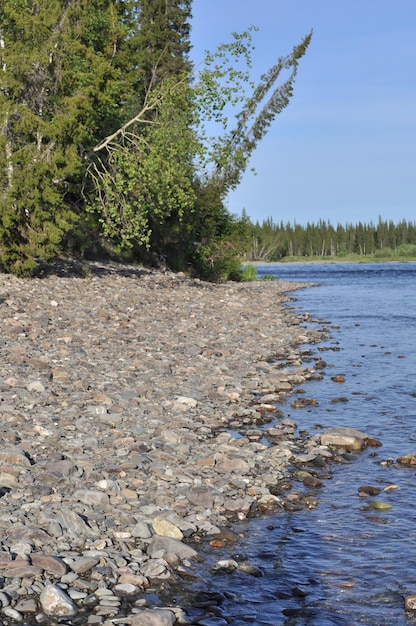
(83, 564)
(141, 530)
(153, 617)
(74, 524)
(56, 603)
(9, 611)
(156, 568)
(348, 438)
(92, 497)
(171, 546)
(165, 528)
(4, 599)
(126, 590)
(49, 563)
(25, 571)
(27, 605)
(14, 456)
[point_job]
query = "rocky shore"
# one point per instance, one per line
(139, 416)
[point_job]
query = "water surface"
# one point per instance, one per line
(343, 562)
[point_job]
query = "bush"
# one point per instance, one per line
(249, 273)
(407, 249)
(384, 253)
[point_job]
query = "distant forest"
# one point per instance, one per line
(272, 242)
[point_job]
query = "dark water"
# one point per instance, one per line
(342, 563)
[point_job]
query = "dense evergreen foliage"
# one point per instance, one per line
(103, 134)
(272, 242)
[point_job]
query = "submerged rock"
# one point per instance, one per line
(347, 438)
(379, 505)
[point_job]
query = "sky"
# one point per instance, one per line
(344, 149)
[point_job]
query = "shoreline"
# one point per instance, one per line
(134, 405)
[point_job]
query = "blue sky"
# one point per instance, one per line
(344, 150)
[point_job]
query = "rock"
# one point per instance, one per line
(141, 530)
(369, 490)
(74, 524)
(49, 563)
(153, 617)
(379, 505)
(92, 497)
(56, 603)
(252, 570)
(225, 565)
(410, 602)
(126, 590)
(14, 456)
(169, 545)
(138, 580)
(340, 378)
(347, 438)
(407, 459)
(312, 481)
(203, 496)
(25, 571)
(187, 403)
(83, 564)
(27, 605)
(156, 568)
(36, 385)
(165, 528)
(8, 480)
(15, 615)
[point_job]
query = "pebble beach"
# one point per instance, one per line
(139, 416)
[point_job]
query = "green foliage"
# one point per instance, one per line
(103, 134)
(383, 253)
(59, 92)
(162, 42)
(222, 86)
(407, 250)
(144, 192)
(249, 273)
(384, 240)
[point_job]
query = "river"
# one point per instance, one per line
(342, 563)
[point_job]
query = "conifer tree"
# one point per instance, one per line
(163, 41)
(59, 91)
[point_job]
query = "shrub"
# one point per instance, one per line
(407, 249)
(249, 273)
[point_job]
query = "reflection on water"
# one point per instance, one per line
(343, 562)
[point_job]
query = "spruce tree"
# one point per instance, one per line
(162, 41)
(59, 91)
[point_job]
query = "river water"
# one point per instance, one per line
(342, 563)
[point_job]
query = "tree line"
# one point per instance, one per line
(107, 145)
(271, 241)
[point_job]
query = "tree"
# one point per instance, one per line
(222, 86)
(59, 92)
(103, 129)
(162, 41)
(161, 174)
